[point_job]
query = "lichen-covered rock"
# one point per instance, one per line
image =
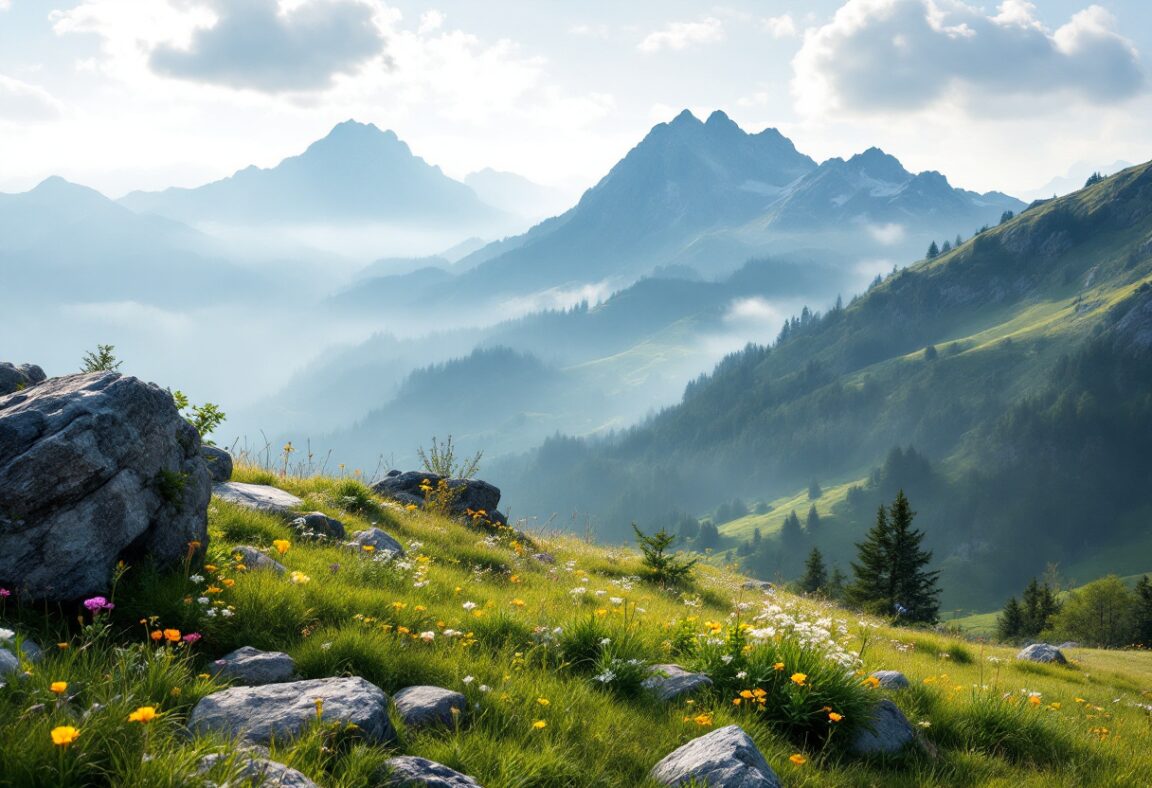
(408, 771)
(724, 758)
(17, 378)
(318, 525)
(378, 540)
(1043, 652)
(423, 706)
(251, 558)
(219, 463)
(282, 711)
(891, 679)
(95, 468)
(9, 664)
(887, 732)
(261, 497)
(669, 682)
(259, 771)
(252, 667)
(468, 494)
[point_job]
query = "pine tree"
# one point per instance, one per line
(815, 577)
(757, 537)
(813, 523)
(1143, 613)
(791, 533)
(102, 360)
(891, 577)
(663, 567)
(836, 584)
(933, 251)
(1010, 620)
(1038, 608)
(871, 587)
(709, 535)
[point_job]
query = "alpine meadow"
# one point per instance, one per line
(564, 395)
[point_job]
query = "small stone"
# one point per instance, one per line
(283, 711)
(318, 525)
(219, 463)
(891, 679)
(886, 733)
(254, 559)
(378, 540)
(1042, 652)
(9, 664)
(758, 585)
(408, 771)
(261, 497)
(251, 667)
(260, 771)
(544, 558)
(725, 757)
(670, 682)
(423, 706)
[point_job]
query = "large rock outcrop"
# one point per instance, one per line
(467, 494)
(95, 468)
(17, 378)
(725, 757)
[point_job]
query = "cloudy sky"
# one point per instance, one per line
(124, 94)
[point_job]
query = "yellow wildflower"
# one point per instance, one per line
(64, 735)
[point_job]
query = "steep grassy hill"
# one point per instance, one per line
(549, 656)
(1017, 366)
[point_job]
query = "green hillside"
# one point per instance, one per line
(530, 643)
(1015, 367)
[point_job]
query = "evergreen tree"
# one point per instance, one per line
(1142, 633)
(946, 246)
(871, 587)
(815, 577)
(933, 251)
(959, 240)
(1093, 179)
(891, 577)
(763, 508)
(102, 360)
(1010, 620)
(813, 523)
(662, 567)
(709, 536)
(1007, 216)
(836, 584)
(688, 528)
(790, 533)
(1038, 608)
(814, 490)
(756, 536)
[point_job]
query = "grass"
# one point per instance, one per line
(526, 647)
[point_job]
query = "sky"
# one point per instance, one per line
(145, 94)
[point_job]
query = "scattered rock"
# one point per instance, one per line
(17, 378)
(886, 733)
(378, 540)
(758, 585)
(725, 757)
(544, 558)
(254, 559)
(1068, 644)
(423, 707)
(259, 714)
(9, 665)
(1042, 652)
(469, 493)
(891, 679)
(95, 468)
(251, 667)
(219, 463)
(260, 771)
(408, 771)
(670, 682)
(318, 525)
(261, 497)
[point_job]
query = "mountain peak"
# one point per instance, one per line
(720, 119)
(685, 118)
(877, 164)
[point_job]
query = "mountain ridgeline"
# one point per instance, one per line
(1015, 367)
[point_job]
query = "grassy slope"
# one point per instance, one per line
(332, 625)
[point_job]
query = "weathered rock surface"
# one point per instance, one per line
(1042, 652)
(886, 733)
(252, 558)
(544, 558)
(891, 679)
(260, 771)
(9, 664)
(724, 758)
(219, 463)
(318, 525)
(669, 682)
(260, 497)
(408, 771)
(378, 540)
(251, 667)
(17, 378)
(259, 714)
(94, 468)
(423, 706)
(469, 493)
(757, 585)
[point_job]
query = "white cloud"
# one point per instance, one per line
(878, 56)
(887, 234)
(5, 5)
(431, 21)
(782, 26)
(681, 35)
(24, 103)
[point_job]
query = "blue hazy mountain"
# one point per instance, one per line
(356, 174)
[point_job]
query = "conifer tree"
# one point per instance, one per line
(891, 569)
(791, 533)
(1010, 620)
(871, 587)
(663, 567)
(836, 584)
(933, 251)
(1038, 608)
(815, 577)
(813, 523)
(1143, 613)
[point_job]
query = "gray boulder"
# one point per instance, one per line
(887, 732)
(17, 378)
(318, 525)
(1042, 652)
(757, 585)
(724, 758)
(95, 468)
(469, 493)
(9, 664)
(258, 771)
(424, 707)
(254, 559)
(408, 771)
(544, 558)
(378, 540)
(891, 679)
(261, 497)
(251, 667)
(219, 463)
(282, 711)
(669, 682)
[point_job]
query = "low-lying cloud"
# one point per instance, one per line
(260, 45)
(908, 55)
(682, 35)
(24, 103)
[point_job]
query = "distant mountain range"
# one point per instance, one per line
(356, 174)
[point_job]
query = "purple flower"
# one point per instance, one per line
(192, 637)
(98, 603)
(5, 593)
